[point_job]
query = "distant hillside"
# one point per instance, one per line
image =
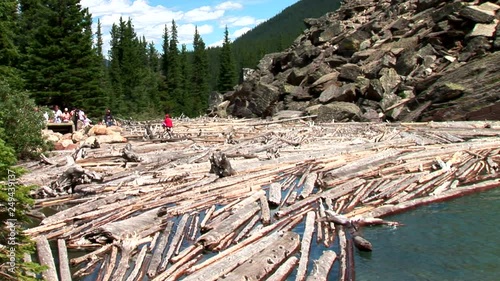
(273, 35)
(277, 33)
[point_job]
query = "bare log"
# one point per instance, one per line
(266, 212)
(207, 217)
(194, 251)
(322, 266)
(158, 251)
(247, 228)
(361, 243)
(385, 210)
(45, 258)
(309, 184)
(138, 264)
(284, 270)
(63, 260)
(108, 270)
(260, 265)
(343, 253)
(274, 195)
(212, 238)
(305, 246)
(225, 265)
(175, 240)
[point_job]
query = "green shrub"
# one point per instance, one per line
(22, 124)
(15, 202)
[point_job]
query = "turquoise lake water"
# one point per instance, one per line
(454, 240)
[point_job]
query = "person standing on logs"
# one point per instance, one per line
(109, 120)
(167, 125)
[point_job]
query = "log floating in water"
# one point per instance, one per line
(274, 197)
(45, 258)
(284, 270)
(64, 271)
(223, 266)
(305, 246)
(158, 251)
(322, 266)
(260, 265)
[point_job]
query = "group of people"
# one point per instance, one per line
(67, 116)
(77, 114)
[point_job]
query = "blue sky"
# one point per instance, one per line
(211, 17)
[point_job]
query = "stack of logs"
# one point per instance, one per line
(227, 198)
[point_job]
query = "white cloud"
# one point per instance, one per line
(239, 21)
(204, 13)
(240, 32)
(229, 6)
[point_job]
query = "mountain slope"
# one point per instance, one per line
(387, 60)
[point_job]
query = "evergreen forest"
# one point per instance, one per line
(49, 49)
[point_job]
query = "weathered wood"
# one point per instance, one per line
(64, 271)
(224, 266)
(207, 217)
(322, 266)
(305, 246)
(284, 270)
(212, 238)
(158, 251)
(175, 240)
(108, 270)
(138, 264)
(274, 197)
(260, 265)
(343, 253)
(220, 165)
(265, 211)
(247, 228)
(370, 167)
(194, 251)
(309, 184)
(129, 155)
(45, 258)
(385, 210)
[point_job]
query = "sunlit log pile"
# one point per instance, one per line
(248, 199)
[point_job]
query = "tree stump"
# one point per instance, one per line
(220, 165)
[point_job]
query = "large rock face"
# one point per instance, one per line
(376, 60)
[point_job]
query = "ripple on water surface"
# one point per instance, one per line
(454, 240)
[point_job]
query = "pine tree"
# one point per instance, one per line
(199, 79)
(9, 54)
(227, 74)
(60, 62)
(186, 96)
(174, 75)
(164, 70)
(116, 100)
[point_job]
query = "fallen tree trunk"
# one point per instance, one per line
(322, 266)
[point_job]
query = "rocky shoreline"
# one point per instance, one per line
(381, 61)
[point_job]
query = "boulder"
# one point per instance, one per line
(345, 93)
(349, 72)
(477, 14)
(78, 136)
(335, 112)
(111, 139)
(98, 130)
